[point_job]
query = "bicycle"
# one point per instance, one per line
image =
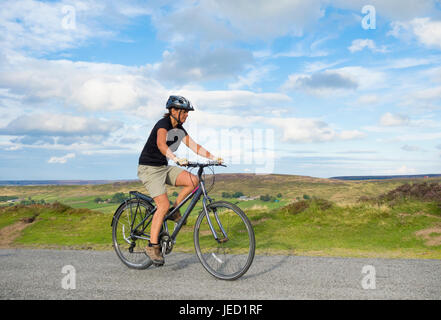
(223, 235)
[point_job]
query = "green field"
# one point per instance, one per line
(311, 217)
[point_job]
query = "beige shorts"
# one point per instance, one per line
(154, 178)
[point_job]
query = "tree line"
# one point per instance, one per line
(239, 194)
(116, 198)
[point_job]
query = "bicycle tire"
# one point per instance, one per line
(121, 231)
(218, 257)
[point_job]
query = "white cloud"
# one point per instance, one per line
(368, 99)
(214, 99)
(402, 170)
(268, 20)
(367, 79)
(423, 99)
(417, 137)
(306, 48)
(410, 62)
(391, 9)
(393, 120)
(58, 125)
(427, 32)
(350, 135)
(400, 29)
(320, 82)
(431, 94)
(237, 20)
(253, 76)
(434, 74)
(336, 81)
(310, 130)
(202, 119)
(84, 85)
(360, 44)
(185, 64)
(410, 148)
(62, 159)
(41, 27)
(110, 87)
(312, 67)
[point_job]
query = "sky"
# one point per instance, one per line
(318, 88)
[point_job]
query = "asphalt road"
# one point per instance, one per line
(38, 274)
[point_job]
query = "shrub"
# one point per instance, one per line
(418, 191)
(323, 204)
(267, 197)
(59, 207)
(237, 194)
(302, 205)
(98, 200)
(118, 198)
(297, 207)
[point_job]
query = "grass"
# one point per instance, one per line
(336, 224)
(360, 230)
(59, 225)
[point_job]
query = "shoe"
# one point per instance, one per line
(176, 217)
(155, 253)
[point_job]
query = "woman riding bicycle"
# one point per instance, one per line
(154, 171)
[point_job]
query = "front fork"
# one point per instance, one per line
(210, 224)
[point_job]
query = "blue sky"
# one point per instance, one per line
(319, 88)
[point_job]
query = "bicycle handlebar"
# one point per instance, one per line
(203, 165)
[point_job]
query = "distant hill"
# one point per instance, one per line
(57, 182)
(219, 177)
(422, 176)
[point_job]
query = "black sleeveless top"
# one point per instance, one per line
(150, 154)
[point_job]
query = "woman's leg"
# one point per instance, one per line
(188, 181)
(162, 204)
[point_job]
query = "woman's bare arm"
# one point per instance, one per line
(161, 141)
(197, 148)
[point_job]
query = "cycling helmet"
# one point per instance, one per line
(179, 102)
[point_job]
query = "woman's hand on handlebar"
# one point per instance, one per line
(181, 161)
(219, 160)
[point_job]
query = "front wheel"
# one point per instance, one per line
(231, 255)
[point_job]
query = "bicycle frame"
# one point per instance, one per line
(196, 195)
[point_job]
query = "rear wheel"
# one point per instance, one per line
(229, 257)
(130, 234)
